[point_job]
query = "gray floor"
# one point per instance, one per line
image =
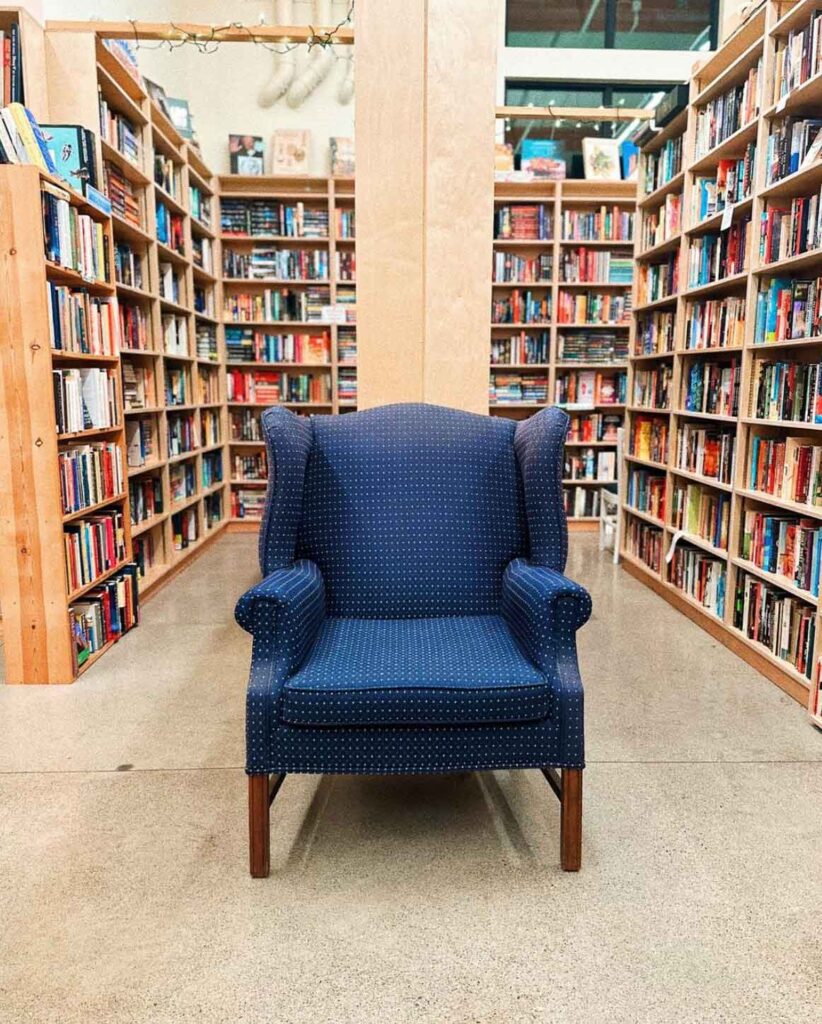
(124, 895)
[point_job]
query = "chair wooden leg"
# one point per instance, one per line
(571, 819)
(259, 834)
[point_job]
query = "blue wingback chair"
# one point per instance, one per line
(413, 614)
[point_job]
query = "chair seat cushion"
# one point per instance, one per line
(436, 671)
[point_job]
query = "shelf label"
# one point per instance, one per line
(782, 104)
(727, 217)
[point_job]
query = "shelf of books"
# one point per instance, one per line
(722, 482)
(163, 204)
(289, 312)
(560, 318)
(22, 61)
(67, 577)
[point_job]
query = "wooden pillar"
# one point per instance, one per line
(425, 141)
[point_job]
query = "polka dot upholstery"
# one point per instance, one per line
(544, 610)
(288, 440)
(415, 672)
(413, 616)
(412, 511)
(539, 442)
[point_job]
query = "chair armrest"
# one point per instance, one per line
(544, 610)
(284, 613)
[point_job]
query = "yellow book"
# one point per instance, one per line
(24, 130)
(101, 250)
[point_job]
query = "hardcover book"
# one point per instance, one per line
(72, 149)
(289, 151)
(180, 116)
(601, 159)
(543, 159)
(246, 153)
(342, 156)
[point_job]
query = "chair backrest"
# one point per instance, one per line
(412, 511)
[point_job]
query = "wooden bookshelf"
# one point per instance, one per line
(648, 537)
(330, 323)
(160, 285)
(36, 595)
(32, 52)
(547, 361)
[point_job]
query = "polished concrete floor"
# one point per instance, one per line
(124, 893)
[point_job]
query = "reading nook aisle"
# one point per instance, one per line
(195, 228)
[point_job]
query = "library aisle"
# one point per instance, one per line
(133, 824)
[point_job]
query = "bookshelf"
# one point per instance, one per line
(560, 319)
(709, 420)
(288, 312)
(165, 254)
(31, 52)
(64, 510)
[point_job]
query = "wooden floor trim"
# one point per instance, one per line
(720, 632)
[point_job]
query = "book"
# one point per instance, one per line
(11, 66)
(629, 159)
(72, 150)
(158, 94)
(700, 576)
(22, 141)
(289, 151)
(601, 159)
(543, 159)
(503, 156)
(180, 116)
(725, 114)
(342, 156)
(246, 155)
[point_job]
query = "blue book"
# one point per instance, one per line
(777, 285)
(629, 157)
(98, 200)
(815, 563)
(767, 544)
(759, 330)
(755, 443)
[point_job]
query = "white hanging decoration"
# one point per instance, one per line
(285, 64)
(320, 61)
(345, 93)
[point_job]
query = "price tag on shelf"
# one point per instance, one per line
(727, 217)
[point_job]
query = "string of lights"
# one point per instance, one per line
(210, 41)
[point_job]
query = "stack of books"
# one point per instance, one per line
(126, 202)
(789, 468)
(706, 451)
(89, 474)
(84, 399)
(592, 347)
(523, 222)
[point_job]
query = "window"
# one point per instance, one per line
(613, 24)
(570, 133)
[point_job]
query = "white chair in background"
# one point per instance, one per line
(609, 510)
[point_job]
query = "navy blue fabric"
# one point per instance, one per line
(544, 610)
(539, 442)
(288, 441)
(284, 614)
(415, 672)
(425, 579)
(412, 511)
